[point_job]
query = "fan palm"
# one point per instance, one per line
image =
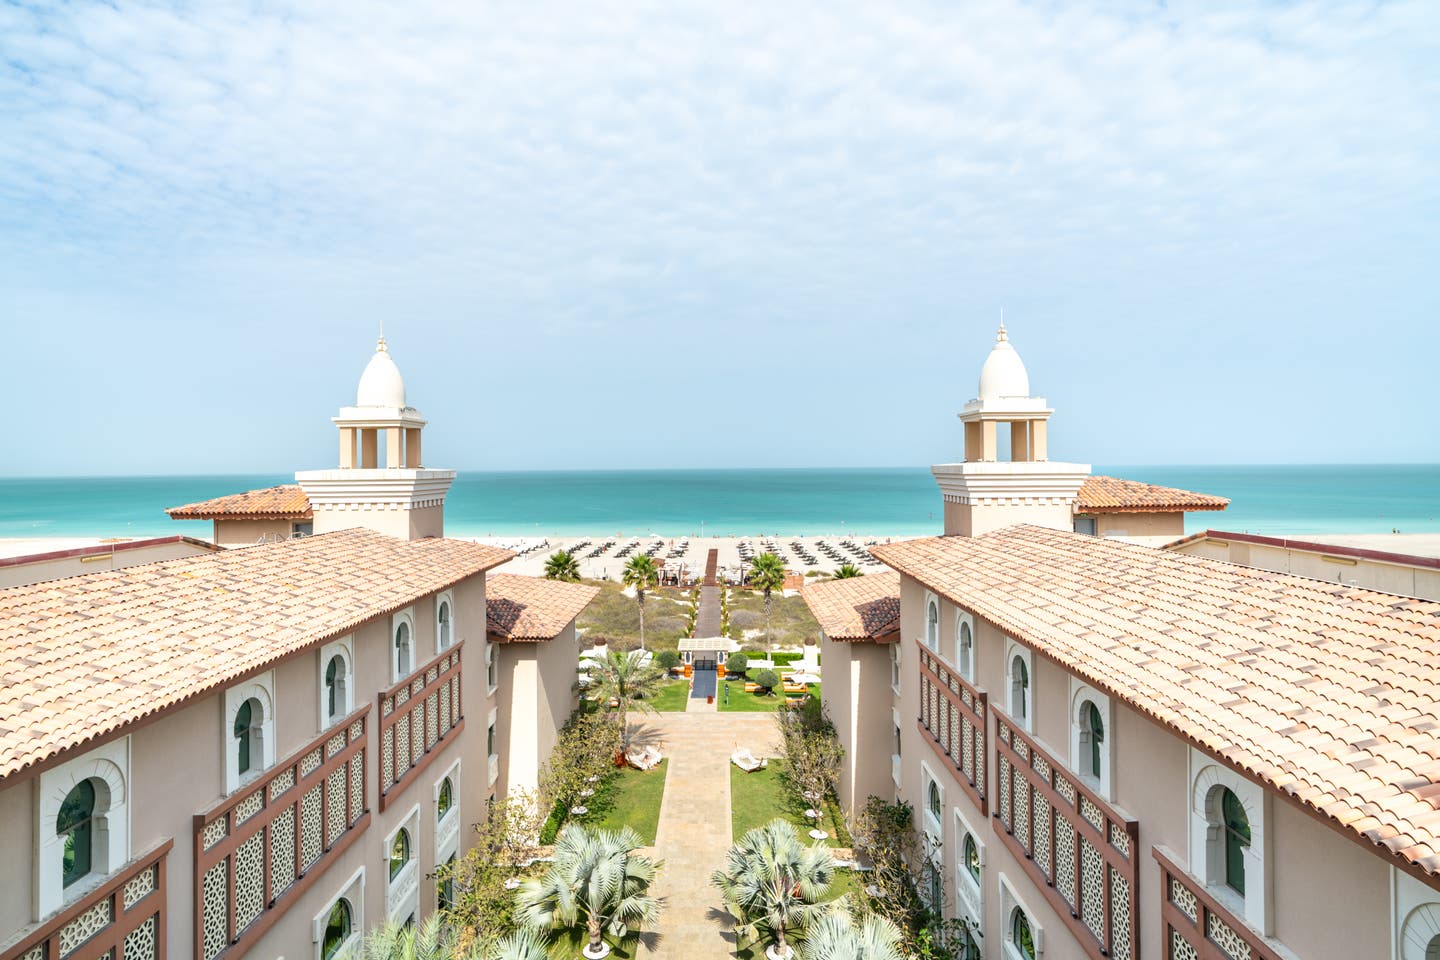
(596, 880)
(767, 573)
(562, 565)
(848, 570)
(773, 881)
(522, 945)
(392, 941)
(629, 680)
(837, 936)
(642, 574)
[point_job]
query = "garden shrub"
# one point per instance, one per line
(667, 659)
(767, 679)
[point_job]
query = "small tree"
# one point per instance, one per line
(736, 663)
(772, 882)
(884, 833)
(480, 909)
(767, 573)
(766, 680)
(521, 945)
(667, 660)
(429, 941)
(641, 573)
(848, 570)
(842, 936)
(562, 565)
(628, 681)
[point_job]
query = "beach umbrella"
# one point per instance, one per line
(804, 678)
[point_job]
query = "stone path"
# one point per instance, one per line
(707, 617)
(694, 830)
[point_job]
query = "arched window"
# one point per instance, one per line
(1019, 688)
(971, 854)
(965, 649)
(335, 681)
(934, 887)
(399, 852)
(337, 929)
(1432, 949)
(1020, 934)
(402, 649)
(1092, 730)
(75, 826)
(932, 623)
(442, 624)
(445, 800)
(248, 720)
(1236, 837)
(933, 800)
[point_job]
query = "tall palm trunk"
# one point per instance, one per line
(592, 926)
(640, 596)
(769, 643)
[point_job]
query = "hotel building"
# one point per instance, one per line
(1118, 751)
(270, 749)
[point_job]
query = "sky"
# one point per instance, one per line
(677, 234)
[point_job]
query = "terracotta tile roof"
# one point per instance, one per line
(1113, 495)
(285, 502)
(533, 608)
(84, 656)
(857, 608)
(1325, 692)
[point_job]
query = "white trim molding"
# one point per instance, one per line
(402, 892)
(1207, 847)
(1080, 746)
(445, 598)
(260, 688)
(896, 733)
(934, 826)
(407, 617)
(1010, 902)
(965, 664)
(932, 628)
(353, 892)
(108, 766)
(1025, 719)
(447, 829)
(969, 891)
(344, 649)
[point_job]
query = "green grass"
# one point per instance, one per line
(759, 797)
(614, 617)
(790, 619)
(567, 944)
(671, 696)
(630, 798)
(846, 881)
(741, 702)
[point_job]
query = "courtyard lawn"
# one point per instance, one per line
(630, 798)
(670, 696)
(759, 797)
(846, 881)
(741, 702)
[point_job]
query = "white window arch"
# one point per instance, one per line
(338, 928)
(932, 622)
(1020, 685)
(248, 733)
(1228, 838)
(402, 645)
(337, 681)
(969, 871)
(444, 621)
(401, 868)
(933, 816)
(1022, 937)
(965, 644)
(1092, 737)
(492, 675)
(895, 667)
(94, 825)
(447, 814)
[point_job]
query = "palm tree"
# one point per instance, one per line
(641, 574)
(774, 881)
(848, 570)
(837, 936)
(629, 679)
(392, 941)
(767, 573)
(562, 565)
(521, 945)
(598, 880)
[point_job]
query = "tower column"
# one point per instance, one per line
(1020, 441)
(1037, 440)
(347, 448)
(989, 442)
(412, 448)
(369, 456)
(394, 439)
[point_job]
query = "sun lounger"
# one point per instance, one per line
(796, 688)
(747, 761)
(795, 703)
(752, 687)
(646, 759)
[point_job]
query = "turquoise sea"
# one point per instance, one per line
(1373, 498)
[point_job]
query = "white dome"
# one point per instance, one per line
(1003, 375)
(381, 384)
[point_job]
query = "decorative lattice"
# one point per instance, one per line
(387, 706)
(283, 781)
(1042, 834)
(215, 910)
(1225, 937)
(36, 952)
(356, 729)
(1184, 899)
(967, 747)
(416, 686)
(1091, 813)
(1005, 791)
(934, 707)
(1092, 889)
(357, 785)
(432, 720)
(387, 759)
(249, 881)
(402, 697)
(417, 733)
(455, 699)
(944, 732)
(85, 926)
(336, 805)
(1041, 766)
(954, 749)
(402, 746)
(215, 831)
(310, 762)
(1119, 915)
(335, 744)
(311, 842)
(1020, 798)
(140, 943)
(250, 806)
(1119, 839)
(139, 887)
(431, 674)
(1180, 948)
(925, 702)
(1004, 732)
(1021, 751)
(445, 707)
(980, 756)
(1066, 789)
(1065, 861)
(282, 851)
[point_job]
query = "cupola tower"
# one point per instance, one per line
(984, 492)
(382, 482)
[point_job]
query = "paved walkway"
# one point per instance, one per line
(707, 618)
(694, 830)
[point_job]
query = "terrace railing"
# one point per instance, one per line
(123, 918)
(1199, 927)
(258, 849)
(1079, 849)
(952, 715)
(418, 716)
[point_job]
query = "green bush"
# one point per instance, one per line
(736, 663)
(553, 823)
(667, 659)
(781, 658)
(766, 679)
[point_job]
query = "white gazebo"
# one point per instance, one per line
(705, 653)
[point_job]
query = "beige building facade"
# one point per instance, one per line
(93, 557)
